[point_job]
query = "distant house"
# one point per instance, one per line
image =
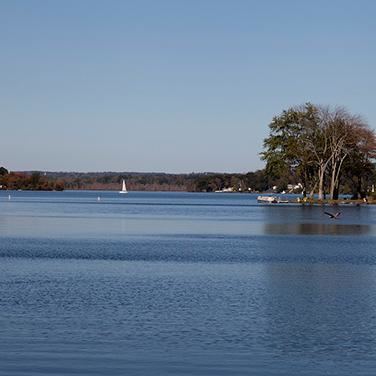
(226, 190)
(293, 187)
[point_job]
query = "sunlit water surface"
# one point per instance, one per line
(96, 283)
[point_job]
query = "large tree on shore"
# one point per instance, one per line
(312, 142)
(289, 147)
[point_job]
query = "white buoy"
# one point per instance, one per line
(98, 198)
(8, 197)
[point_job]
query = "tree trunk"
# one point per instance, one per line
(360, 190)
(334, 184)
(321, 182)
(313, 191)
(333, 180)
(336, 191)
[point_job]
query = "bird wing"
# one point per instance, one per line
(329, 214)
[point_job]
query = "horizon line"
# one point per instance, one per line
(131, 172)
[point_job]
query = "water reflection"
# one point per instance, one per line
(317, 229)
(312, 220)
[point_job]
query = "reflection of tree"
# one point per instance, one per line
(311, 220)
(316, 229)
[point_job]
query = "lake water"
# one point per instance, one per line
(96, 283)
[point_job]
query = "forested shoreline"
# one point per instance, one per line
(258, 181)
(194, 182)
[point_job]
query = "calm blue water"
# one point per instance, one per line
(184, 284)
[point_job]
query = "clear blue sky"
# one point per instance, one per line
(172, 85)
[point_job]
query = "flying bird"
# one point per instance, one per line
(333, 215)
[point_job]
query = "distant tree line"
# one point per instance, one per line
(28, 181)
(327, 150)
(258, 181)
(195, 182)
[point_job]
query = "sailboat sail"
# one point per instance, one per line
(123, 188)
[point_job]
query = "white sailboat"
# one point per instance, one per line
(123, 188)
